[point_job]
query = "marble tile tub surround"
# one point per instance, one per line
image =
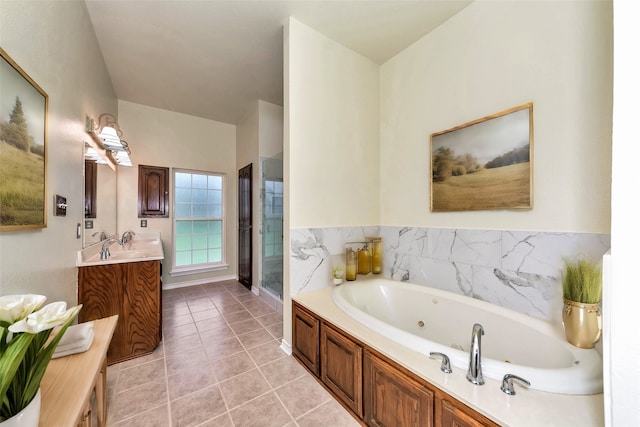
(519, 270)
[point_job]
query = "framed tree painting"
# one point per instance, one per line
(484, 164)
(23, 149)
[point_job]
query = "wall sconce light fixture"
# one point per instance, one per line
(107, 143)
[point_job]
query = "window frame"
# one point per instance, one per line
(209, 266)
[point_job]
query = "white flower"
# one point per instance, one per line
(48, 317)
(17, 307)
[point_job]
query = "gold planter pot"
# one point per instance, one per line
(582, 323)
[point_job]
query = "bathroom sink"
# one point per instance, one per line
(143, 247)
(130, 255)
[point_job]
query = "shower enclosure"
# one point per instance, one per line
(272, 211)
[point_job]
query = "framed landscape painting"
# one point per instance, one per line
(485, 164)
(23, 149)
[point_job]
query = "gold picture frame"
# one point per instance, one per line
(23, 149)
(485, 164)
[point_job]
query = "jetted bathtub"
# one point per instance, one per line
(425, 319)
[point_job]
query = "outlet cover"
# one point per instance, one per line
(60, 205)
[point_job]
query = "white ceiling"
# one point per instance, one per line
(212, 58)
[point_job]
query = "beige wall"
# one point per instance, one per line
(164, 138)
(55, 44)
(333, 141)
(248, 152)
(331, 157)
(489, 57)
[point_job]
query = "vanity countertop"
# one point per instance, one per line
(526, 408)
(142, 247)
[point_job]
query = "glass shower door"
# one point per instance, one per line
(272, 215)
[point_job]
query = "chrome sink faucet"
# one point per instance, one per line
(474, 374)
(104, 253)
(127, 236)
(103, 235)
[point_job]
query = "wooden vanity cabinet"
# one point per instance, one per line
(451, 413)
(131, 290)
(341, 367)
(393, 398)
(376, 390)
(306, 339)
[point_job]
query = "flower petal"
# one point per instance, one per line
(17, 307)
(48, 317)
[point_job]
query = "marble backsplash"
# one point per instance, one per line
(519, 270)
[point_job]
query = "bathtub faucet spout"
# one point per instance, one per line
(474, 374)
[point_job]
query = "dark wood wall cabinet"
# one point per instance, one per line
(153, 192)
(376, 390)
(131, 290)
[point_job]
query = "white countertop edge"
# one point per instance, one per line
(119, 261)
(527, 408)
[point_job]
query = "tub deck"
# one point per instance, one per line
(527, 408)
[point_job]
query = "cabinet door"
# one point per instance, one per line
(392, 398)
(456, 414)
(306, 336)
(130, 290)
(153, 192)
(341, 367)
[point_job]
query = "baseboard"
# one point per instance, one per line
(286, 347)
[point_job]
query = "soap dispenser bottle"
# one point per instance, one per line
(351, 264)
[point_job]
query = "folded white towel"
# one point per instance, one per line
(77, 339)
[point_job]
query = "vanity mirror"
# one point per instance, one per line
(100, 208)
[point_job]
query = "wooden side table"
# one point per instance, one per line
(68, 382)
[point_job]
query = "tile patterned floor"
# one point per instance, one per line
(219, 364)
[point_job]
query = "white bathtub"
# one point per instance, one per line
(513, 343)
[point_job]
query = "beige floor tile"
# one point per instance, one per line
(261, 311)
(157, 417)
(191, 379)
(140, 374)
(182, 343)
(175, 321)
(196, 408)
(245, 326)
(211, 323)
(139, 399)
(265, 411)
(270, 319)
(282, 371)
(233, 365)
(181, 360)
(158, 353)
(275, 330)
(237, 316)
(201, 306)
(223, 420)
(179, 331)
(329, 414)
(302, 395)
(219, 333)
(266, 353)
(244, 387)
(205, 314)
(255, 338)
(229, 307)
(221, 349)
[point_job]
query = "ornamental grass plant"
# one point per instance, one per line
(25, 347)
(582, 281)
